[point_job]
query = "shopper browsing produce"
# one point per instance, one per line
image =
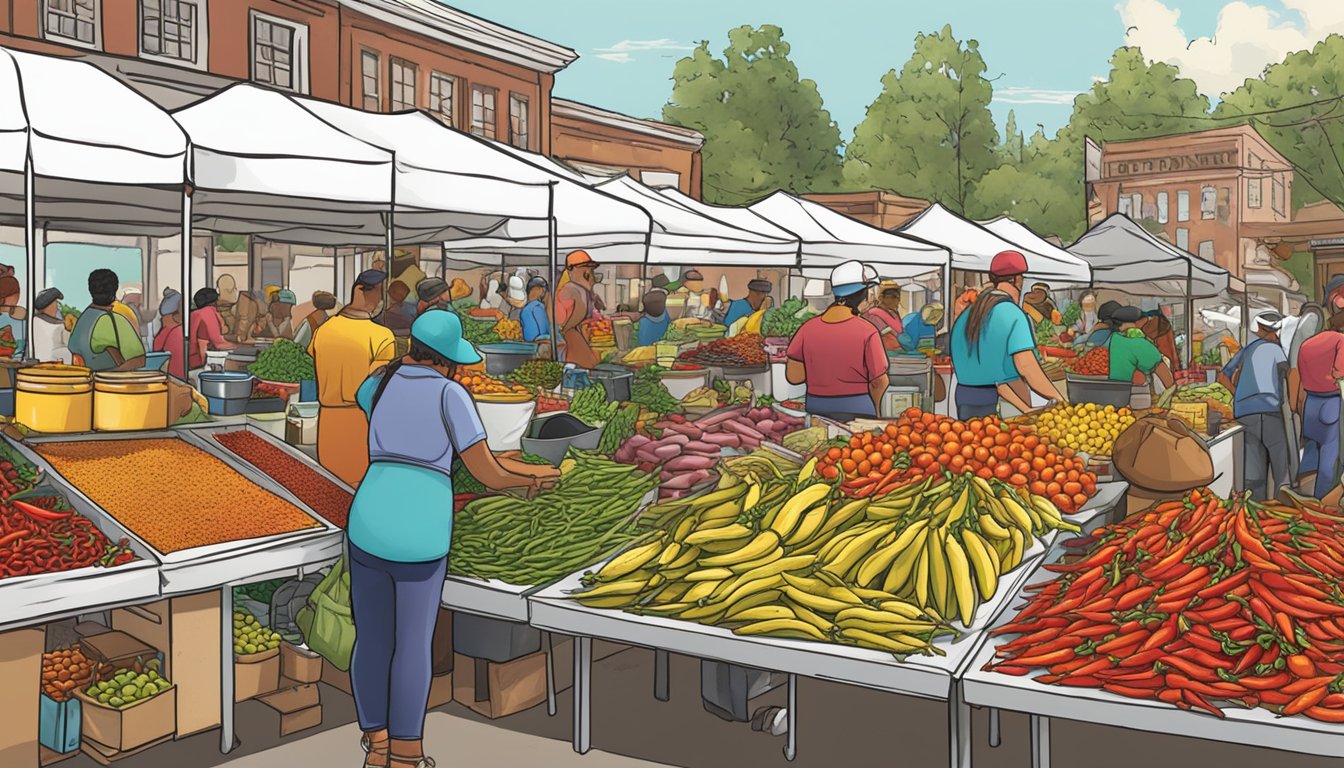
(994, 348)
(51, 339)
(653, 323)
(102, 339)
(401, 526)
(838, 354)
(758, 292)
(345, 349)
(574, 307)
(920, 328)
(1131, 353)
(169, 337)
(1320, 365)
(278, 322)
(1256, 377)
(886, 316)
(1105, 326)
(536, 323)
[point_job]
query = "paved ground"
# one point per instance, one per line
(840, 726)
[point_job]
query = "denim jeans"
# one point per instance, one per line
(395, 607)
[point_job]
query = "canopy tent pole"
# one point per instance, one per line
(1243, 332)
(185, 258)
(1189, 315)
(29, 241)
(553, 257)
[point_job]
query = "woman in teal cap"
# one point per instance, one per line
(401, 524)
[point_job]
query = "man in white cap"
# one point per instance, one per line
(1256, 377)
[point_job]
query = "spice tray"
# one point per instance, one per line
(214, 565)
(210, 430)
(42, 597)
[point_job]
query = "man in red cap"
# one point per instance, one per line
(994, 346)
(573, 306)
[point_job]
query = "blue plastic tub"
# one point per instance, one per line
(58, 724)
(156, 361)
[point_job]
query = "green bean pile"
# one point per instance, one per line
(589, 514)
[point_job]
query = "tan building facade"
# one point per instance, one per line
(1201, 191)
(884, 210)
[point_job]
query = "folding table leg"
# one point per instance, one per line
(1040, 742)
(226, 670)
(791, 720)
(959, 728)
(660, 677)
(995, 737)
(583, 680)
(550, 674)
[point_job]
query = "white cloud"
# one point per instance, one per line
(1246, 40)
(1025, 95)
(621, 52)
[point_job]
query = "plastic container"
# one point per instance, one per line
(308, 391)
(554, 449)
(215, 359)
(896, 400)
(780, 388)
(301, 424)
(1097, 390)
(505, 423)
(7, 401)
(270, 423)
(156, 361)
(58, 724)
(503, 359)
(617, 382)
(682, 383)
(55, 399)
(496, 640)
(226, 392)
(126, 402)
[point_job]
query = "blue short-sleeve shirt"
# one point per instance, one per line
(1006, 331)
(403, 429)
(534, 321)
(1258, 389)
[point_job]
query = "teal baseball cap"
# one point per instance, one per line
(441, 331)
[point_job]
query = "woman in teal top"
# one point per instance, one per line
(401, 526)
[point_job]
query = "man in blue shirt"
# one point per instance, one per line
(921, 325)
(653, 323)
(536, 324)
(757, 292)
(993, 347)
(1256, 377)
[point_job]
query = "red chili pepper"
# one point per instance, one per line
(1203, 642)
(1248, 659)
(1119, 644)
(1195, 700)
(1190, 668)
(1134, 597)
(1130, 691)
(1305, 684)
(1164, 634)
(1214, 613)
(15, 536)
(1226, 585)
(1325, 715)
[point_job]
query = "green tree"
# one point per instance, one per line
(929, 133)
(1296, 106)
(1010, 150)
(765, 128)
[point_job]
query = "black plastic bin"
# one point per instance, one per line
(493, 639)
(1099, 390)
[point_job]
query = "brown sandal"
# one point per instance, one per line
(411, 762)
(372, 749)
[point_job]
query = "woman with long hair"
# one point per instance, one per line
(401, 525)
(838, 354)
(994, 347)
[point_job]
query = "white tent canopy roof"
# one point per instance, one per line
(829, 238)
(682, 236)
(1024, 238)
(1123, 253)
(611, 230)
(88, 130)
(741, 217)
(973, 247)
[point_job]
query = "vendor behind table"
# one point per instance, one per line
(1132, 355)
(886, 317)
(1320, 368)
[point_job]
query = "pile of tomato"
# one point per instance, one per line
(1095, 362)
(985, 447)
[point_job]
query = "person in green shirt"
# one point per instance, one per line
(1132, 353)
(103, 339)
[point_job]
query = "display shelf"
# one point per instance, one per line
(492, 598)
(44, 597)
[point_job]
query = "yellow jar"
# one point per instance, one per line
(130, 401)
(55, 399)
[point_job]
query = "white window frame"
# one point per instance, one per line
(1163, 207)
(1255, 192)
(482, 90)
(1183, 205)
(48, 34)
(1123, 206)
(449, 116)
(395, 63)
(514, 100)
(366, 54)
(298, 56)
(1183, 238)
(1208, 202)
(200, 46)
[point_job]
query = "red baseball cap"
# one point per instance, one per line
(1008, 264)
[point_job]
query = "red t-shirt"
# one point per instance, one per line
(840, 358)
(883, 319)
(1320, 360)
(170, 340)
(207, 326)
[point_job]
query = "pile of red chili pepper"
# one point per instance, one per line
(43, 535)
(321, 495)
(1200, 603)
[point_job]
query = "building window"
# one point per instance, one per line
(1183, 238)
(1254, 189)
(402, 84)
(368, 78)
(1277, 193)
(483, 111)
(1163, 212)
(1208, 203)
(171, 29)
(74, 21)
(279, 53)
(441, 90)
(1182, 206)
(1206, 250)
(1136, 205)
(1123, 207)
(518, 133)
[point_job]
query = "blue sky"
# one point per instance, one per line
(1042, 52)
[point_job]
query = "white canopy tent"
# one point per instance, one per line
(828, 238)
(743, 218)
(122, 172)
(1024, 238)
(682, 236)
(973, 247)
(1122, 253)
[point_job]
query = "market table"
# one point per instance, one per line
(1227, 452)
(921, 676)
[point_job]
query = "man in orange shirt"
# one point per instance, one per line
(574, 306)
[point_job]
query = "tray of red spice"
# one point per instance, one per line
(60, 555)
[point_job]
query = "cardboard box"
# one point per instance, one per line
(49, 757)
(188, 630)
(336, 678)
(302, 720)
(299, 664)
(441, 648)
(132, 726)
(106, 756)
(21, 679)
(499, 689)
(292, 698)
(440, 691)
(256, 674)
(59, 724)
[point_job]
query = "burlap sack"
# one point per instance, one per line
(1163, 455)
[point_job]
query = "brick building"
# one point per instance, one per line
(884, 210)
(1208, 192)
